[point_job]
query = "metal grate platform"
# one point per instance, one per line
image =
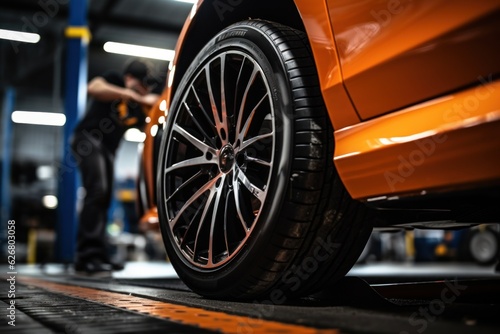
(40, 311)
(75, 309)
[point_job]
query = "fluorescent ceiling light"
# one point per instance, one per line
(134, 135)
(188, 1)
(38, 118)
(139, 51)
(19, 36)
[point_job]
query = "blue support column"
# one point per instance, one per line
(78, 37)
(8, 108)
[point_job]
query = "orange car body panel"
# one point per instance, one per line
(398, 58)
(395, 53)
(148, 150)
(158, 112)
(315, 17)
(450, 142)
(410, 90)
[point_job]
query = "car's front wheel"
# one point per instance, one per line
(249, 200)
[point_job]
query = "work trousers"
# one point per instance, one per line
(96, 166)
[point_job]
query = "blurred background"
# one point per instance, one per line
(33, 70)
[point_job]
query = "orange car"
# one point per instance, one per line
(289, 129)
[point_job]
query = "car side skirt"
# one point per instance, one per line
(448, 143)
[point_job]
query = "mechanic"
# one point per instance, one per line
(119, 102)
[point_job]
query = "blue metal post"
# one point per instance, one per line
(78, 36)
(8, 108)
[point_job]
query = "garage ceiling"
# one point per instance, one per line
(39, 67)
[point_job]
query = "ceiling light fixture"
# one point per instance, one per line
(139, 51)
(38, 118)
(188, 1)
(19, 36)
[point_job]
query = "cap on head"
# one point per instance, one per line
(139, 70)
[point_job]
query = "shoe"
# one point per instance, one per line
(93, 269)
(115, 266)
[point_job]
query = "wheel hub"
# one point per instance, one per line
(227, 159)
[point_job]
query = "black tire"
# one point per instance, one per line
(284, 224)
(483, 246)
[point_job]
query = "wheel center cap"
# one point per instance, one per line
(226, 159)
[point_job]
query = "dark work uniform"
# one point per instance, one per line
(94, 144)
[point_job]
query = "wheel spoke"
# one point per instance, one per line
(253, 189)
(255, 139)
(223, 91)
(258, 161)
(240, 72)
(219, 124)
(193, 199)
(190, 163)
(226, 216)
(218, 197)
(198, 125)
(244, 99)
(238, 207)
(213, 193)
(241, 133)
(184, 185)
(183, 241)
(213, 105)
(202, 108)
(194, 141)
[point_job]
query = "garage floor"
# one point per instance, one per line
(149, 298)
